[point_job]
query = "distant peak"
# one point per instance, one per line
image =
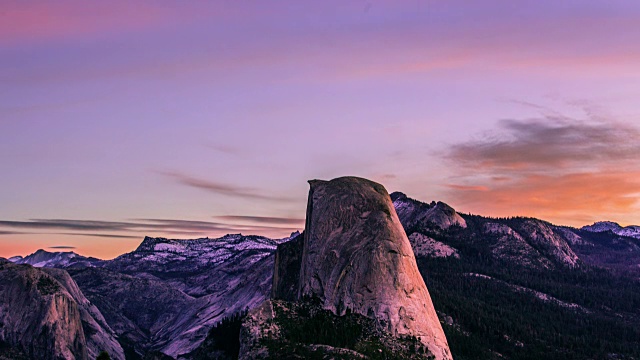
(609, 223)
(149, 242)
(397, 195)
(400, 196)
(445, 208)
(601, 226)
(232, 236)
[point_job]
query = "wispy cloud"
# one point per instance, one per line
(555, 167)
(62, 247)
(225, 149)
(549, 143)
(156, 227)
(114, 236)
(262, 219)
(11, 233)
(204, 227)
(467, 187)
(69, 224)
(222, 188)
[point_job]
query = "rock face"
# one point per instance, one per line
(43, 258)
(98, 334)
(412, 212)
(550, 243)
(508, 245)
(146, 314)
(356, 256)
(425, 246)
(286, 272)
(44, 314)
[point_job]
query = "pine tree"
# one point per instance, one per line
(103, 356)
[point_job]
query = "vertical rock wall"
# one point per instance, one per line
(356, 255)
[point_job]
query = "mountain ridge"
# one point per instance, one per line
(602, 226)
(216, 278)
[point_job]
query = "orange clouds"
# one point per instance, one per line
(467, 187)
(572, 199)
(566, 171)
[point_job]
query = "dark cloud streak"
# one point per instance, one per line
(549, 143)
(114, 236)
(148, 226)
(262, 219)
(12, 233)
(228, 150)
(68, 224)
(223, 189)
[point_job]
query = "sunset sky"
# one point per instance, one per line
(120, 119)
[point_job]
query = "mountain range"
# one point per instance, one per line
(514, 288)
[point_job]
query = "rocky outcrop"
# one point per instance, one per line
(144, 312)
(530, 242)
(44, 315)
(286, 272)
(425, 246)
(98, 334)
(304, 330)
(508, 245)
(541, 235)
(356, 257)
(570, 236)
(415, 213)
(259, 324)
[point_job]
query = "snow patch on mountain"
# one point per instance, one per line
(43, 258)
(197, 253)
(603, 226)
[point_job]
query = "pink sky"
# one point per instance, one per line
(124, 119)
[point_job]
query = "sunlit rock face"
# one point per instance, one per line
(44, 314)
(415, 213)
(357, 256)
(425, 246)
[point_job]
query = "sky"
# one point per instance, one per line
(124, 119)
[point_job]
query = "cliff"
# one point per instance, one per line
(356, 258)
(44, 315)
